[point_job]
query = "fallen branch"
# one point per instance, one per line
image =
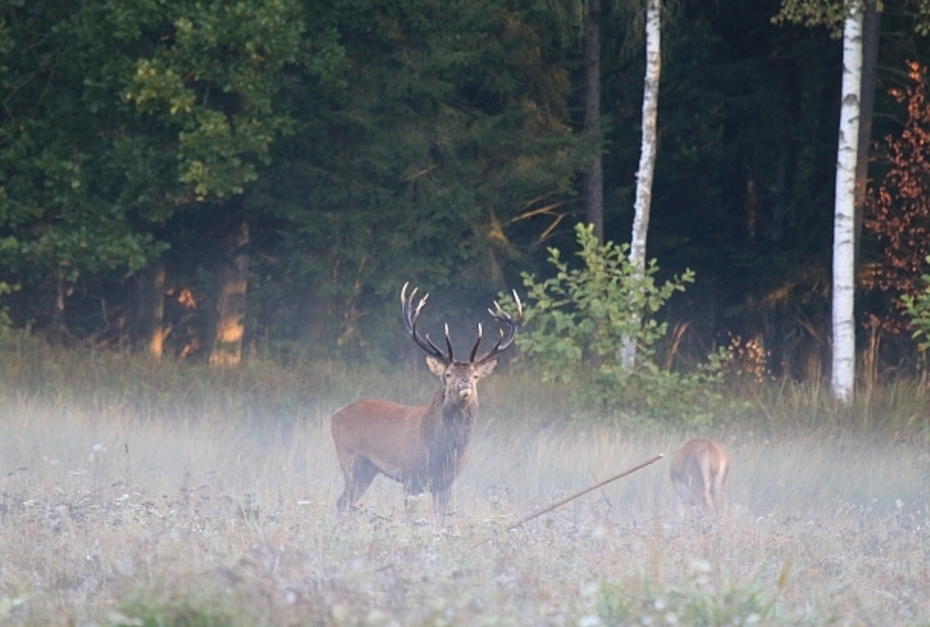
(583, 492)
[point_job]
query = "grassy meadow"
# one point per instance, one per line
(142, 494)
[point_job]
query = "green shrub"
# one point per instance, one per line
(697, 601)
(177, 613)
(918, 309)
(576, 322)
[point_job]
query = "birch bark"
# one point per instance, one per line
(647, 159)
(843, 370)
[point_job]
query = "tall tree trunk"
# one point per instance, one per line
(594, 183)
(58, 330)
(787, 163)
(230, 305)
(647, 159)
(844, 332)
(148, 324)
(871, 27)
(780, 206)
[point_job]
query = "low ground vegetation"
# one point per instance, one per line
(140, 494)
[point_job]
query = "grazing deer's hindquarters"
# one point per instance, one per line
(421, 446)
(699, 473)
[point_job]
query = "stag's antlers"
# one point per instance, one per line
(504, 340)
(411, 314)
(512, 323)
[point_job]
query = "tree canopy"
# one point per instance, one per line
(369, 143)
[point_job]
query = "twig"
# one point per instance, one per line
(580, 493)
(610, 505)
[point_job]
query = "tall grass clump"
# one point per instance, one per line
(784, 406)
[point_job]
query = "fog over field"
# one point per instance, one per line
(116, 511)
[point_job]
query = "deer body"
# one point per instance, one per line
(699, 473)
(423, 447)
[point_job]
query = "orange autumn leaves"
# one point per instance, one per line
(897, 211)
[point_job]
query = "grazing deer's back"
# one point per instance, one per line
(699, 472)
(696, 453)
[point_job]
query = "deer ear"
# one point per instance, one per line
(435, 366)
(486, 368)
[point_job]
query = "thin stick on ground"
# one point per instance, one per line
(574, 496)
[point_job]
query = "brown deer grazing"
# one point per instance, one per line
(421, 446)
(699, 472)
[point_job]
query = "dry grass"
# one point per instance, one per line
(120, 512)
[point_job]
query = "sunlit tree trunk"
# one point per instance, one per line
(594, 183)
(844, 245)
(647, 158)
(230, 306)
(148, 324)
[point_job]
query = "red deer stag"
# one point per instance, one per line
(699, 474)
(421, 446)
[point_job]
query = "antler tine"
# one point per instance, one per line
(511, 322)
(474, 350)
(499, 313)
(411, 314)
(448, 342)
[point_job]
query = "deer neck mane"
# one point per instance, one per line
(451, 420)
(454, 410)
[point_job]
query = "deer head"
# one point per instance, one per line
(460, 378)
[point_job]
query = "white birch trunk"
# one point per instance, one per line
(844, 334)
(647, 160)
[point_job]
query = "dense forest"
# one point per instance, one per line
(203, 178)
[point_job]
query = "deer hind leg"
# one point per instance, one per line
(720, 492)
(708, 488)
(441, 503)
(685, 495)
(359, 473)
(414, 487)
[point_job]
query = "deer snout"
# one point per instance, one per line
(465, 388)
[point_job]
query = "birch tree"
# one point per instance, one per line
(586, 16)
(647, 157)
(844, 244)
(846, 199)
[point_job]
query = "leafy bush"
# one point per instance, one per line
(179, 613)
(5, 321)
(576, 322)
(698, 600)
(918, 309)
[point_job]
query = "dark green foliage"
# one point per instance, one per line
(449, 120)
(367, 143)
(118, 115)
